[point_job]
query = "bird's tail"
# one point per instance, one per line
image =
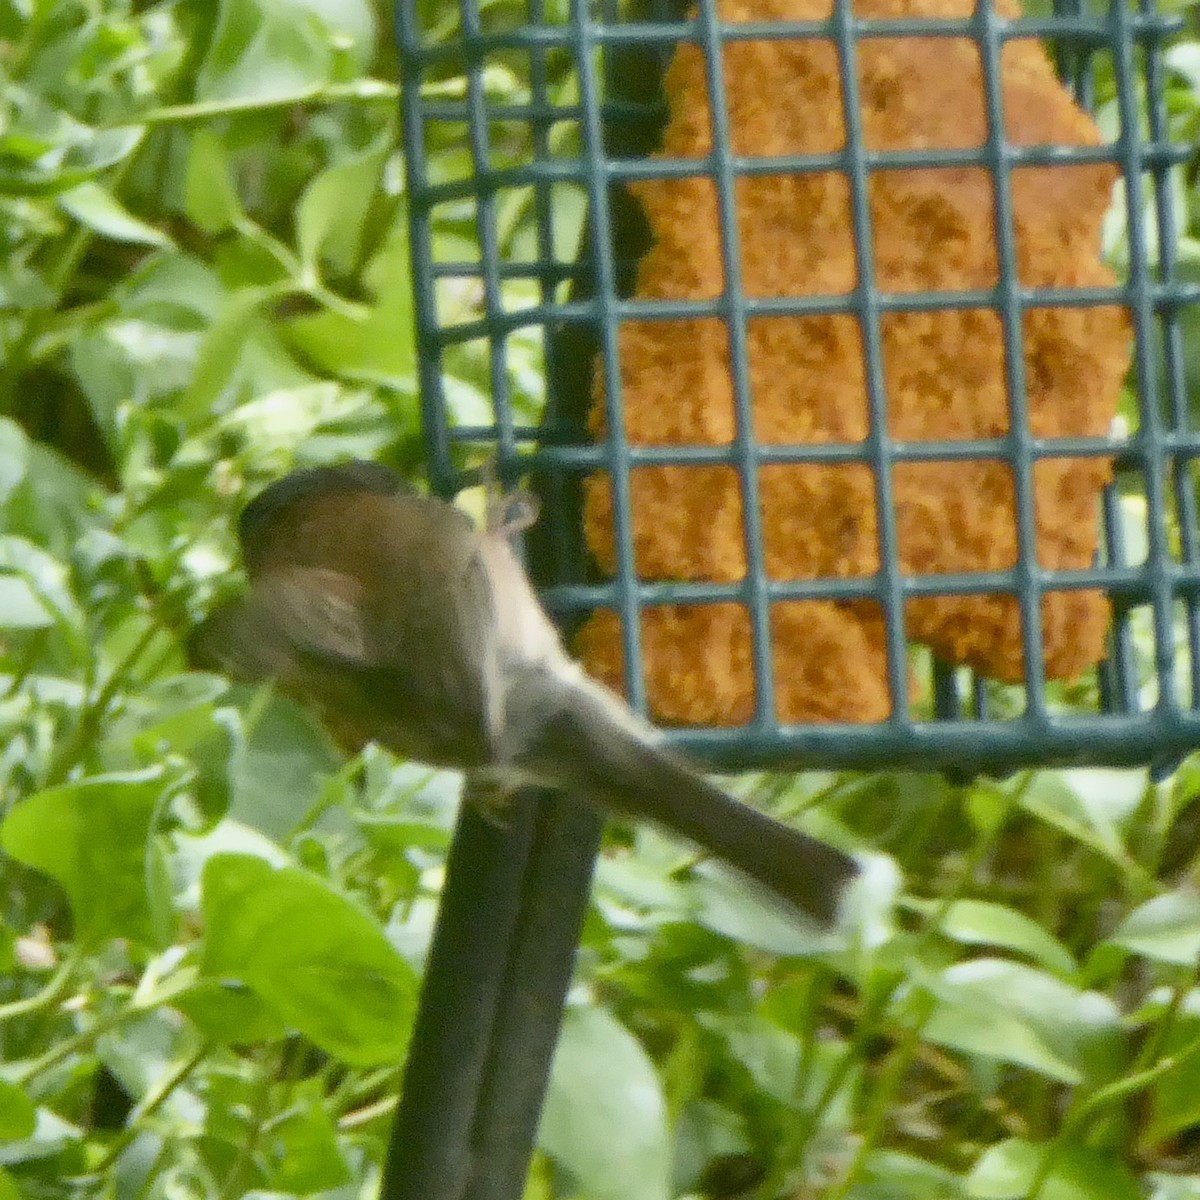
(592, 745)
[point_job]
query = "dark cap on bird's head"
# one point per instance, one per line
(310, 483)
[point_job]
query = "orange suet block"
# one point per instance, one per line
(932, 230)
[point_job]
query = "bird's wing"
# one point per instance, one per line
(441, 667)
(432, 609)
(319, 611)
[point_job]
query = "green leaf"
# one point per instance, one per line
(313, 957)
(210, 198)
(289, 418)
(1109, 796)
(176, 291)
(18, 1116)
(397, 834)
(704, 1131)
(334, 207)
(220, 351)
(192, 853)
(1008, 1171)
(49, 504)
(1087, 805)
(378, 347)
(772, 1055)
(1174, 1187)
(141, 1052)
(350, 24)
(1009, 1012)
(983, 923)
(48, 577)
(1175, 1099)
(605, 1119)
(98, 209)
(229, 1014)
(93, 837)
(44, 151)
(892, 1175)
(278, 772)
(1185, 59)
(640, 891)
(52, 1138)
(303, 1149)
(1166, 929)
(20, 607)
(782, 1069)
(264, 50)
(14, 454)
(209, 738)
(1135, 526)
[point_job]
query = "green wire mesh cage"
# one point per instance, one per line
(522, 142)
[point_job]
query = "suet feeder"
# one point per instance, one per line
(869, 427)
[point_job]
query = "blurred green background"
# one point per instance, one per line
(213, 928)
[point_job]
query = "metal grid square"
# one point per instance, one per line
(561, 143)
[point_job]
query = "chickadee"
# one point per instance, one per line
(399, 621)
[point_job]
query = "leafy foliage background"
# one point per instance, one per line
(213, 928)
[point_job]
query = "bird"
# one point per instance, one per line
(398, 620)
